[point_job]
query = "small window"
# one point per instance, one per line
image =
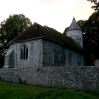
(70, 58)
(53, 58)
(79, 61)
(24, 52)
(59, 57)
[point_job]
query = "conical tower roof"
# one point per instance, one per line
(74, 26)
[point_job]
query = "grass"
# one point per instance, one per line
(17, 91)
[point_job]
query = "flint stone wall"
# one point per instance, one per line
(81, 78)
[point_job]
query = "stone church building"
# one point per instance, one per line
(44, 46)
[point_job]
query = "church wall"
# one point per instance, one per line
(75, 59)
(6, 61)
(35, 54)
(9, 60)
(54, 54)
(12, 59)
(77, 36)
(57, 55)
(75, 77)
(43, 53)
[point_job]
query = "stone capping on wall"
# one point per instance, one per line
(75, 77)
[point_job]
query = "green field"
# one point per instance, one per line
(17, 91)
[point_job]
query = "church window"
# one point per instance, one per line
(24, 52)
(53, 58)
(70, 58)
(59, 57)
(79, 61)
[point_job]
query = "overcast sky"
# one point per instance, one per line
(57, 14)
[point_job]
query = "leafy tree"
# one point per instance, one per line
(95, 1)
(10, 28)
(96, 4)
(90, 29)
(89, 59)
(81, 23)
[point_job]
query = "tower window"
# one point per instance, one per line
(24, 52)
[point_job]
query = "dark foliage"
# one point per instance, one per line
(96, 4)
(90, 29)
(9, 29)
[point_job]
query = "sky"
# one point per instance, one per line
(57, 14)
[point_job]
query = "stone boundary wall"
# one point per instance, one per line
(80, 78)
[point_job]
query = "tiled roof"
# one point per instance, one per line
(74, 26)
(37, 31)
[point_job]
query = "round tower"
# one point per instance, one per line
(74, 31)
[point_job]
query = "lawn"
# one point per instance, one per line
(17, 91)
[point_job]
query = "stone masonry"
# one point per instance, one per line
(79, 77)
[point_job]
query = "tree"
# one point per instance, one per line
(65, 31)
(95, 1)
(96, 4)
(10, 28)
(81, 23)
(90, 29)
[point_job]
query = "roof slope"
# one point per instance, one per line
(74, 26)
(37, 31)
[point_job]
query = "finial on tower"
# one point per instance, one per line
(74, 18)
(74, 25)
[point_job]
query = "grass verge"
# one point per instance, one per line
(17, 91)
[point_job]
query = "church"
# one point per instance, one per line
(41, 46)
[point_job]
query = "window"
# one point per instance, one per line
(58, 57)
(24, 52)
(70, 58)
(53, 58)
(79, 61)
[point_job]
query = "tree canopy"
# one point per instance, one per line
(90, 30)
(10, 28)
(96, 4)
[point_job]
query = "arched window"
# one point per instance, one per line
(24, 52)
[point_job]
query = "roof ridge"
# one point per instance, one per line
(38, 26)
(52, 33)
